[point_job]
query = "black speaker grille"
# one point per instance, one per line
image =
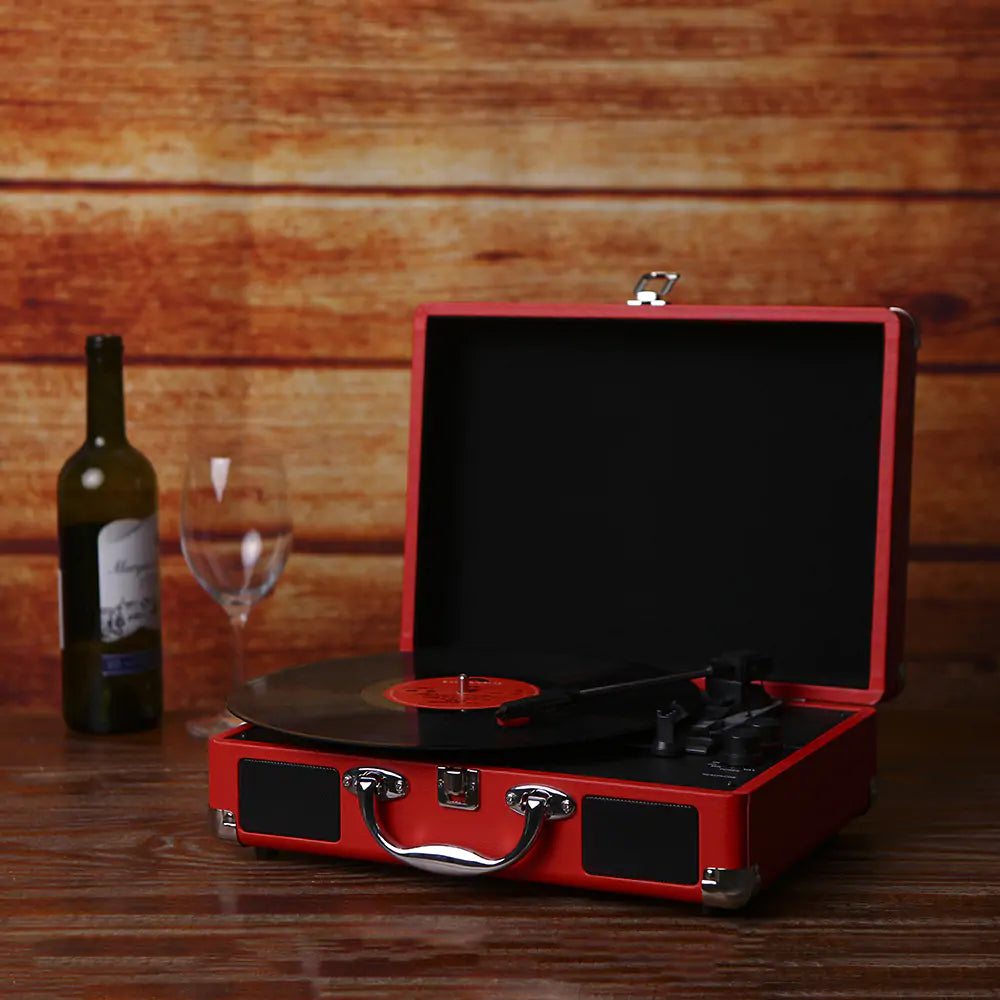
(289, 800)
(652, 841)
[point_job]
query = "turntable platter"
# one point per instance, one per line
(413, 700)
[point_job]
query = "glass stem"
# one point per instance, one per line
(238, 619)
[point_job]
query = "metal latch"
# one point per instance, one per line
(458, 787)
(652, 298)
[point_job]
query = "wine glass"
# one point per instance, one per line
(236, 534)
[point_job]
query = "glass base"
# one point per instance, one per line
(208, 725)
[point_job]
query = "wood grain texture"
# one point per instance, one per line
(319, 277)
(344, 433)
(257, 195)
(956, 461)
(953, 612)
(111, 887)
(323, 606)
(342, 605)
(623, 94)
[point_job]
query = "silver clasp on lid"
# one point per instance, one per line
(652, 298)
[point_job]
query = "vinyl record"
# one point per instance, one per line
(413, 700)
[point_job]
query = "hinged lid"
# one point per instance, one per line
(662, 485)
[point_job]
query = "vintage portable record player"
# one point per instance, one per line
(654, 579)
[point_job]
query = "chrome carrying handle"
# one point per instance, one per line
(536, 803)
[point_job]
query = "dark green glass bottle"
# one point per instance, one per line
(109, 576)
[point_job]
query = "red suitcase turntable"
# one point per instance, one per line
(654, 581)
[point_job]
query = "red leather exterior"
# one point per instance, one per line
(770, 822)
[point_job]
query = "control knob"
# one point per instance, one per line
(742, 746)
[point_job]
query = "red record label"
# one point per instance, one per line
(459, 692)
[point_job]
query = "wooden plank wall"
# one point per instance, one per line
(256, 195)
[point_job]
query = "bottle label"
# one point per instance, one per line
(120, 664)
(128, 578)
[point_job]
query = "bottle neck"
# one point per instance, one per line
(105, 398)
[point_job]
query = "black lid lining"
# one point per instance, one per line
(652, 491)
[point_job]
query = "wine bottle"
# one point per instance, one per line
(109, 577)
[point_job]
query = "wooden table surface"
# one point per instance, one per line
(111, 886)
